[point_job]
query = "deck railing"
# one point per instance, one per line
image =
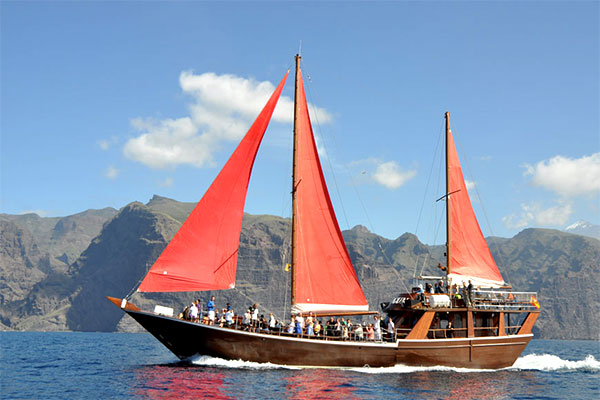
(498, 299)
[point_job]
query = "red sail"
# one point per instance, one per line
(325, 278)
(203, 253)
(470, 257)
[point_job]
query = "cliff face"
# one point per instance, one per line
(562, 267)
(564, 270)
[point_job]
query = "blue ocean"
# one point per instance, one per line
(72, 365)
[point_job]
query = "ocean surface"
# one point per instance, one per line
(71, 365)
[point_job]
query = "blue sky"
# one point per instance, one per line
(105, 103)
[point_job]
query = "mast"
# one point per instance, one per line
(447, 116)
(294, 182)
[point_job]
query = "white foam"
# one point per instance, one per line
(549, 362)
(530, 362)
(208, 361)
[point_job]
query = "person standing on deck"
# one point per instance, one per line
(377, 328)
(210, 306)
(254, 317)
(391, 330)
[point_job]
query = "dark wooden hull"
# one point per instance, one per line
(186, 339)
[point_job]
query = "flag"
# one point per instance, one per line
(534, 302)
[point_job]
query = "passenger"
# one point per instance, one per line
(377, 328)
(271, 322)
(292, 325)
(420, 293)
(330, 327)
(210, 306)
(247, 320)
(298, 327)
(300, 319)
(229, 317)
(359, 333)
(428, 288)
(391, 328)
(370, 332)
(309, 329)
(345, 332)
(186, 313)
(470, 293)
(337, 328)
(193, 313)
(264, 324)
(254, 316)
(309, 319)
(465, 295)
(318, 328)
(439, 287)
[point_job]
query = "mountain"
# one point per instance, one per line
(36, 251)
(563, 268)
(584, 228)
(63, 239)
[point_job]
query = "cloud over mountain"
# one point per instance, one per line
(568, 177)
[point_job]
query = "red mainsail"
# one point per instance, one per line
(325, 278)
(203, 253)
(470, 257)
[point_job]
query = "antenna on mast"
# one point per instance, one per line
(300, 48)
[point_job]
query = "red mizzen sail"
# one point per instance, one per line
(203, 253)
(325, 278)
(470, 257)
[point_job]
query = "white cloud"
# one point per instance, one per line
(390, 175)
(169, 142)
(111, 172)
(224, 107)
(534, 214)
(567, 177)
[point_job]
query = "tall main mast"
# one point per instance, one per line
(447, 116)
(294, 181)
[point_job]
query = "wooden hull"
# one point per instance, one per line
(186, 339)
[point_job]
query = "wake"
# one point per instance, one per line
(550, 362)
(207, 361)
(530, 362)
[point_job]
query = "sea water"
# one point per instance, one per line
(71, 365)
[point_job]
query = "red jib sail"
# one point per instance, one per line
(203, 253)
(470, 257)
(325, 278)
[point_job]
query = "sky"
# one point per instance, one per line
(106, 103)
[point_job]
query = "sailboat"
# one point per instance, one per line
(202, 256)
